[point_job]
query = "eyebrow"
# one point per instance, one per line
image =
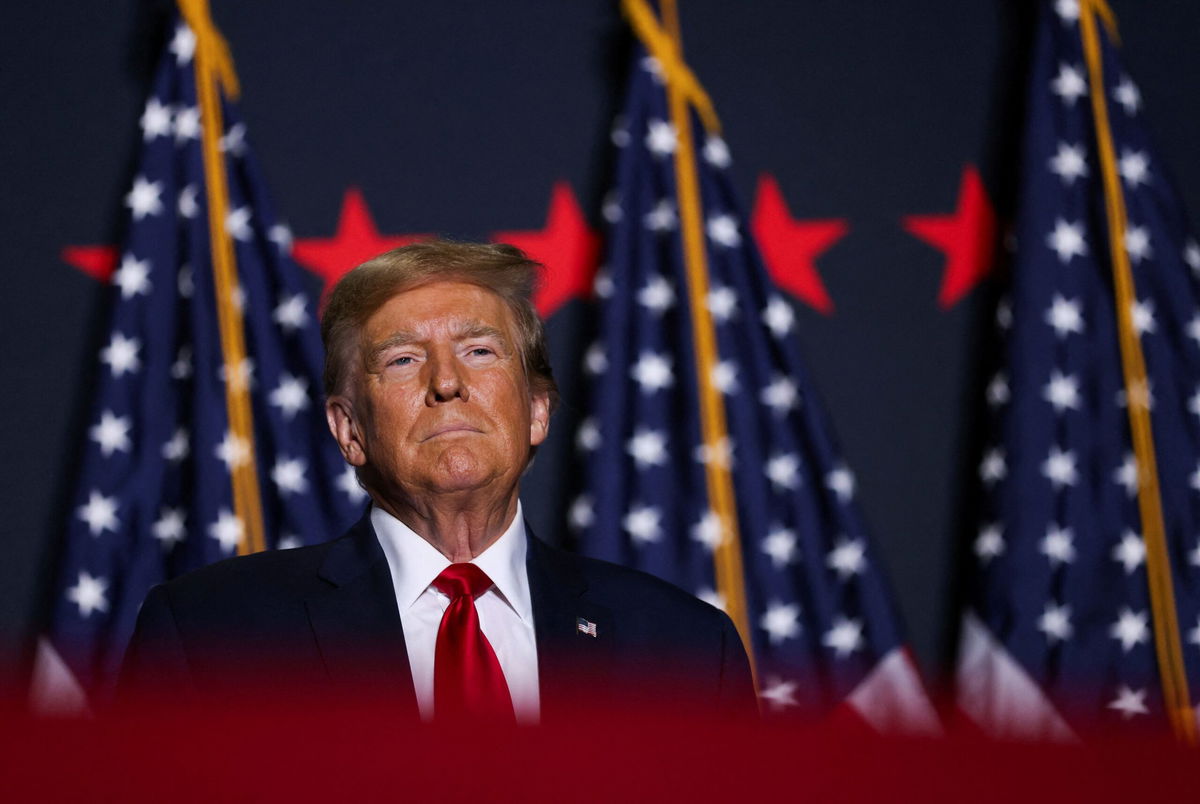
(464, 331)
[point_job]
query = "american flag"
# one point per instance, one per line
(820, 616)
(1059, 633)
(153, 497)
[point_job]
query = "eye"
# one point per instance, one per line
(402, 360)
(481, 351)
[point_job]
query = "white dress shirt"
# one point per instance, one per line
(505, 610)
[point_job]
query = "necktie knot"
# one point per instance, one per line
(462, 580)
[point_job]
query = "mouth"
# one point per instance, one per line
(457, 429)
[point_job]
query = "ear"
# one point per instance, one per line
(343, 424)
(539, 417)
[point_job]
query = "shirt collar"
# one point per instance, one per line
(415, 563)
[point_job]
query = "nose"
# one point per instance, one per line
(446, 381)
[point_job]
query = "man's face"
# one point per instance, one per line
(441, 404)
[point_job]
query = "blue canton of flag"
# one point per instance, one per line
(154, 497)
(822, 622)
(1059, 632)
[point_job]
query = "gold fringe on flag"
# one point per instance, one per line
(214, 71)
(1167, 643)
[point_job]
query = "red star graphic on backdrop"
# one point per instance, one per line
(790, 247)
(356, 240)
(98, 262)
(565, 245)
(967, 236)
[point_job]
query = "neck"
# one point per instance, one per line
(458, 530)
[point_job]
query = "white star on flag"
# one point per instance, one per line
(587, 437)
(1059, 468)
(111, 433)
(647, 448)
(997, 390)
(155, 120)
(281, 236)
(178, 446)
(1055, 622)
(844, 637)
(716, 152)
(290, 396)
(709, 531)
(289, 541)
(722, 303)
(187, 205)
(724, 377)
(1129, 702)
(143, 199)
(993, 467)
(723, 230)
(1191, 255)
(778, 694)
(292, 312)
(1193, 328)
(719, 454)
(169, 527)
(133, 277)
(783, 470)
(989, 543)
(595, 359)
(227, 530)
(841, 482)
(847, 558)
(1137, 244)
(242, 375)
(1069, 162)
(1065, 316)
(712, 597)
(1127, 474)
(1062, 392)
(778, 316)
(1134, 167)
(121, 355)
(1067, 240)
(288, 475)
(89, 594)
(237, 223)
(661, 138)
(1058, 545)
(1142, 315)
(1126, 93)
(100, 513)
(654, 67)
(781, 621)
(1067, 10)
(652, 372)
(1069, 84)
(642, 524)
(611, 209)
(1130, 629)
(657, 295)
(183, 45)
(662, 218)
(234, 140)
(780, 545)
(581, 514)
(780, 395)
(1130, 552)
(187, 124)
(233, 451)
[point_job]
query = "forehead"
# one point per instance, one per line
(439, 308)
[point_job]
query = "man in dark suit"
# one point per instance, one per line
(439, 390)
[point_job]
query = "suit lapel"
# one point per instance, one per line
(572, 665)
(355, 620)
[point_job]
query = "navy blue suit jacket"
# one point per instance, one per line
(327, 614)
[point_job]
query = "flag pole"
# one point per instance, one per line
(214, 71)
(1167, 642)
(683, 91)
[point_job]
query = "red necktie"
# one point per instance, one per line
(467, 678)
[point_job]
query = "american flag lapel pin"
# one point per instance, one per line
(585, 626)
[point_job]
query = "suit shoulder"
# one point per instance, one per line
(259, 576)
(624, 588)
